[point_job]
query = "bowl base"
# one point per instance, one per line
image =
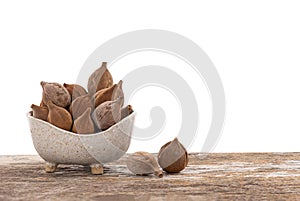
(96, 169)
(50, 167)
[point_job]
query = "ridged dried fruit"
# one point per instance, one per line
(59, 116)
(40, 112)
(173, 157)
(104, 95)
(56, 93)
(143, 163)
(118, 92)
(84, 124)
(107, 114)
(75, 90)
(80, 105)
(126, 111)
(100, 79)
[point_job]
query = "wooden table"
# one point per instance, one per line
(228, 176)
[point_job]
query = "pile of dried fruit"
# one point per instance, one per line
(72, 108)
(172, 158)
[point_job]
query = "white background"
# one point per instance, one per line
(255, 46)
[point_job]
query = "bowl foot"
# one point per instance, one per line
(50, 167)
(96, 169)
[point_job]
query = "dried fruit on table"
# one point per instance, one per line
(84, 124)
(143, 163)
(59, 116)
(56, 93)
(173, 157)
(100, 79)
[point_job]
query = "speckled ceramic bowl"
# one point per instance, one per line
(57, 146)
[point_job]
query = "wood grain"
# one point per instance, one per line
(228, 176)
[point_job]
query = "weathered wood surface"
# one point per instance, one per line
(238, 176)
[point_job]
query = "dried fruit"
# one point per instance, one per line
(42, 104)
(80, 105)
(40, 112)
(173, 157)
(57, 93)
(118, 92)
(126, 111)
(84, 124)
(143, 163)
(59, 116)
(75, 90)
(107, 114)
(104, 95)
(100, 79)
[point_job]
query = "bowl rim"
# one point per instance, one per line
(30, 116)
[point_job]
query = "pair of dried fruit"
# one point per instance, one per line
(71, 107)
(172, 158)
(54, 114)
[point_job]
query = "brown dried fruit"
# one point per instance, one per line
(107, 114)
(100, 79)
(57, 93)
(80, 105)
(84, 124)
(59, 116)
(75, 90)
(173, 157)
(104, 95)
(40, 112)
(118, 92)
(42, 104)
(126, 111)
(143, 163)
